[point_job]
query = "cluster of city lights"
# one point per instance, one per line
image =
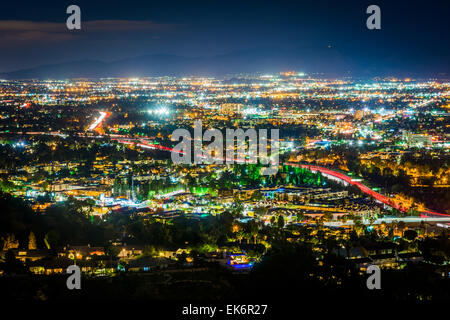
(161, 111)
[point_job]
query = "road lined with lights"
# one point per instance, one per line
(327, 172)
(342, 177)
(367, 190)
(335, 174)
(98, 122)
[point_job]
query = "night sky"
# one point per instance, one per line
(414, 33)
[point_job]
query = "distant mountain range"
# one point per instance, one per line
(326, 61)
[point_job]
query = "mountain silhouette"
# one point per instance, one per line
(326, 61)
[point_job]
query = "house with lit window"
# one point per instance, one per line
(81, 252)
(48, 266)
(130, 251)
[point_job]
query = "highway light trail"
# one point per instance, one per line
(147, 145)
(144, 144)
(367, 190)
(98, 122)
(338, 175)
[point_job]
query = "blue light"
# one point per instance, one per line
(243, 266)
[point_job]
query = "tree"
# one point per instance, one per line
(149, 251)
(10, 242)
(413, 209)
(358, 225)
(6, 186)
(252, 227)
(237, 207)
(12, 265)
(260, 211)
(240, 235)
(32, 241)
(301, 216)
(410, 234)
(257, 195)
(401, 226)
(328, 216)
(273, 219)
(51, 239)
(280, 222)
(112, 251)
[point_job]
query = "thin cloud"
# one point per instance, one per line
(124, 25)
(21, 31)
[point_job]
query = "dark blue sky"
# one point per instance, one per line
(414, 34)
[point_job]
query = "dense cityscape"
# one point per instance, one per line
(276, 159)
(87, 179)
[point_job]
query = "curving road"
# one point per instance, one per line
(367, 190)
(325, 171)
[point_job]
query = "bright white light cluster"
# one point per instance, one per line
(98, 121)
(159, 111)
(249, 111)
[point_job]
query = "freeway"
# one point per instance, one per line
(367, 190)
(437, 220)
(334, 174)
(325, 171)
(98, 122)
